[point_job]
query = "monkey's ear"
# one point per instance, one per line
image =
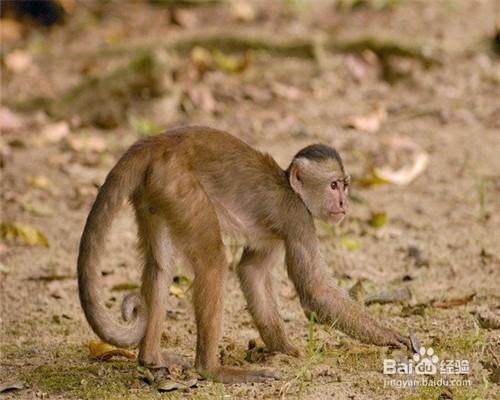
(295, 181)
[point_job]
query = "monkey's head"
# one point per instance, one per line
(316, 174)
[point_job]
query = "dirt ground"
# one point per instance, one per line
(436, 238)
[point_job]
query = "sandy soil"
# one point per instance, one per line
(440, 238)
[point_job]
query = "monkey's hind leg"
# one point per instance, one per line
(208, 304)
(157, 276)
(255, 275)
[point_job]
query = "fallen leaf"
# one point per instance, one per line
(364, 66)
(286, 91)
(201, 59)
(185, 18)
(230, 64)
(405, 175)
(177, 291)
(449, 303)
(167, 385)
(146, 374)
(242, 10)
(349, 243)
(367, 180)
(91, 144)
(3, 268)
(54, 133)
(369, 123)
(120, 287)
(201, 97)
(378, 219)
(9, 120)
(23, 233)
(9, 387)
(40, 210)
(145, 126)
(389, 296)
(50, 278)
(18, 60)
(488, 319)
(38, 182)
(103, 351)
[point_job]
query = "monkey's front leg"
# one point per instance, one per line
(318, 293)
(208, 304)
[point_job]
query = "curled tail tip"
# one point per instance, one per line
(133, 307)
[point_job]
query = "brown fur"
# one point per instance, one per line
(188, 187)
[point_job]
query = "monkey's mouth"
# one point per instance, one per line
(337, 216)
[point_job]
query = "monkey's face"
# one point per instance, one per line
(322, 186)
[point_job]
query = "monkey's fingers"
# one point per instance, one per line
(401, 341)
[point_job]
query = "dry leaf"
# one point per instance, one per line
(201, 97)
(3, 268)
(23, 233)
(369, 123)
(38, 182)
(169, 386)
(364, 66)
(404, 175)
(37, 209)
(177, 291)
(286, 91)
(404, 161)
(230, 64)
(18, 60)
(51, 278)
(378, 219)
(185, 18)
(8, 387)
(180, 286)
(91, 144)
(54, 133)
(449, 303)
(349, 244)
(488, 319)
(146, 374)
(244, 11)
(120, 287)
(10, 120)
(389, 296)
(103, 351)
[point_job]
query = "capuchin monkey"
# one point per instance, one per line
(190, 186)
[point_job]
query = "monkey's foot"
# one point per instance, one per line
(390, 337)
(237, 375)
(165, 360)
(285, 348)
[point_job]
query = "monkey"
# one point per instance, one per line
(190, 186)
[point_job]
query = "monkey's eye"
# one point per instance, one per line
(333, 185)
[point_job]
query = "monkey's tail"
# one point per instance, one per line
(119, 185)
